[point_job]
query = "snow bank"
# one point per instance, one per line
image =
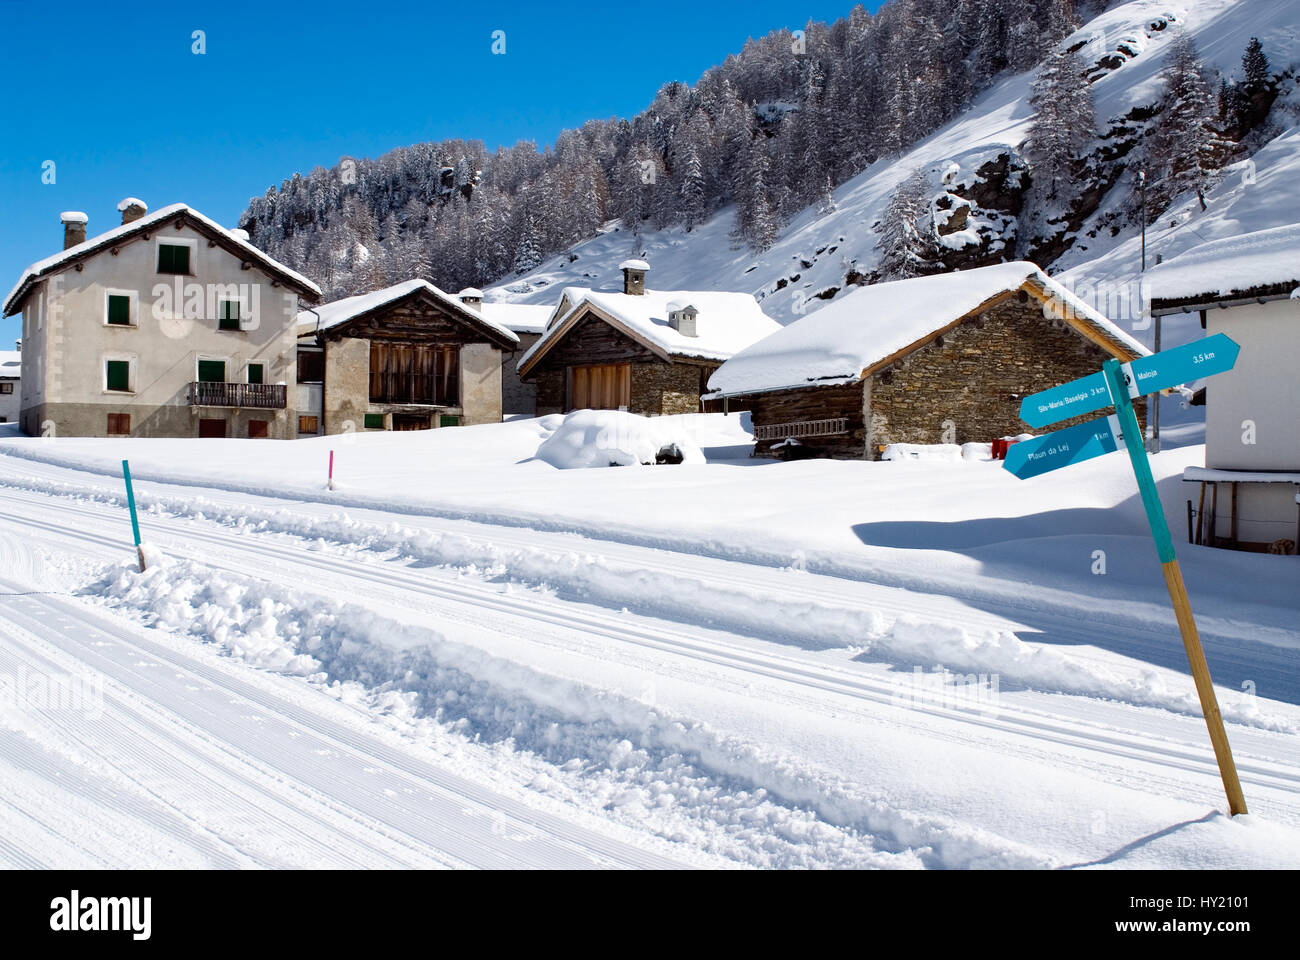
(614, 438)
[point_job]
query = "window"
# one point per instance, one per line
(212, 371)
(117, 375)
(449, 420)
(119, 424)
(309, 424)
(374, 421)
(258, 429)
(228, 315)
(257, 373)
(119, 310)
(212, 428)
(311, 366)
(6, 388)
(173, 258)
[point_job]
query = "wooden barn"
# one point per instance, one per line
(941, 359)
(407, 357)
(647, 351)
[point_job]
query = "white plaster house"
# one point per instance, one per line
(1247, 287)
(167, 325)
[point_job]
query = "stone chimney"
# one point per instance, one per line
(634, 272)
(682, 318)
(74, 227)
(472, 298)
(132, 209)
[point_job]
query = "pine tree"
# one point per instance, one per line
(1065, 123)
(906, 250)
(1187, 149)
(1254, 67)
(692, 191)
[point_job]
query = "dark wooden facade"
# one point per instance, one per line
(595, 351)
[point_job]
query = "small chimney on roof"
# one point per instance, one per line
(132, 209)
(472, 297)
(634, 272)
(18, 345)
(74, 227)
(682, 318)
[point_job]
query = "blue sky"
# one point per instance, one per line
(115, 96)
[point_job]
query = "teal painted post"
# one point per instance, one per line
(130, 502)
(1128, 425)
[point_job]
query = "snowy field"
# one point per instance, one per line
(466, 655)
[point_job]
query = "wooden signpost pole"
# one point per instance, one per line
(1132, 436)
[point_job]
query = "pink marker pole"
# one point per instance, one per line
(331, 469)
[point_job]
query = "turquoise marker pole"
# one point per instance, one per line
(135, 523)
(1137, 453)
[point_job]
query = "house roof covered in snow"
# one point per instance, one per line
(727, 322)
(11, 364)
(519, 317)
(228, 239)
(1265, 263)
(878, 324)
(363, 305)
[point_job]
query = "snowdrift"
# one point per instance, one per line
(613, 438)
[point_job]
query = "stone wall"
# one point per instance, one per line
(480, 384)
(660, 388)
(166, 420)
(347, 384)
(967, 385)
(517, 396)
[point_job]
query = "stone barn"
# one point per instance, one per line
(407, 357)
(941, 359)
(650, 352)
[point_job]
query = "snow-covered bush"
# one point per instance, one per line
(612, 438)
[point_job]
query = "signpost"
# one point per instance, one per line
(1121, 383)
(130, 502)
(1159, 371)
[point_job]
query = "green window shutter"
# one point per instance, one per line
(119, 309)
(117, 375)
(256, 373)
(173, 258)
(449, 420)
(374, 421)
(212, 371)
(228, 315)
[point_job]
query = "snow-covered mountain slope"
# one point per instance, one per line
(815, 252)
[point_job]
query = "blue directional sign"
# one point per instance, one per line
(1062, 448)
(1159, 371)
(1068, 400)
(1191, 361)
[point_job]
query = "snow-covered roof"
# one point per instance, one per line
(634, 265)
(728, 322)
(519, 317)
(11, 363)
(65, 257)
(474, 293)
(1221, 268)
(843, 340)
(130, 202)
(349, 308)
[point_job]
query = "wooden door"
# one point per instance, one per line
(212, 427)
(600, 386)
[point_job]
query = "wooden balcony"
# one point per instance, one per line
(263, 396)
